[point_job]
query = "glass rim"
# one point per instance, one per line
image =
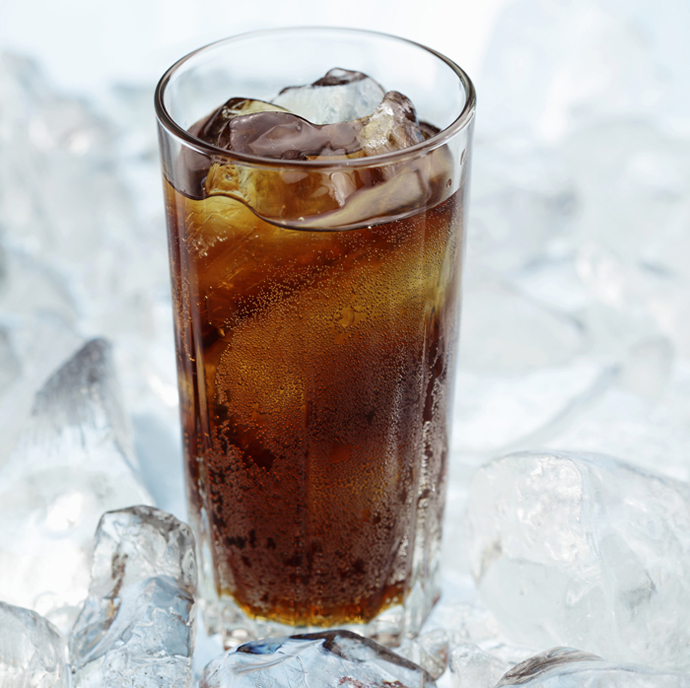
(460, 122)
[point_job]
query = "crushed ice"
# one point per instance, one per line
(577, 338)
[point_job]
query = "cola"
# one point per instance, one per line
(316, 285)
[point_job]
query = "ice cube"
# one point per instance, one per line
(507, 412)
(429, 650)
(256, 128)
(63, 204)
(568, 76)
(471, 667)
(40, 343)
(584, 550)
(212, 128)
(72, 461)
(524, 205)
(339, 96)
(82, 234)
(191, 167)
(314, 660)
(392, 126)
(328, 198)
(137, 624)
(505, 333)
(32, 651)
(284, 136)
(564, 666)
(651, 433)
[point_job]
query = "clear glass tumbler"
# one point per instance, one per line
(316, 301)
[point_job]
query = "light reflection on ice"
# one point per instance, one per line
(577, 317)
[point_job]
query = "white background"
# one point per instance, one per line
(84, 44)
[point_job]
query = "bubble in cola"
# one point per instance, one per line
(315, 366)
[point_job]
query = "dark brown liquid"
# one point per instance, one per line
(314, 375)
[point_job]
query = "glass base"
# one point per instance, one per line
(389, 628)
(222, 615)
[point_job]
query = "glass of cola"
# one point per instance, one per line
(316, 185)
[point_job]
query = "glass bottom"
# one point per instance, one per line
(393, 624)
(389, 628)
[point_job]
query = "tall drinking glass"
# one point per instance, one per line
(316, 294)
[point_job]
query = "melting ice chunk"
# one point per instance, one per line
(565, 666)
(212, 128)
(255, 128)
(471, 667)
(429, 650)
(32, 651)
(72, 462)
(339, 96)
(137, 625)
(325, 198)
(392, 126)
(316, 660)
(319, 197)
(284, 136)
(585, 551)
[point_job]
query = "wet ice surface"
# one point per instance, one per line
(580, 208)
(316, 660)
(137, 625)
(576, 325)
(340, 95)
(569, 668)
(32, 651)
(472, 667)
(252, 127)
(577, 212)
(318, 197)
(392, 126)
(73, 461)
(582, 538)
(428, 650)
(82, 248)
